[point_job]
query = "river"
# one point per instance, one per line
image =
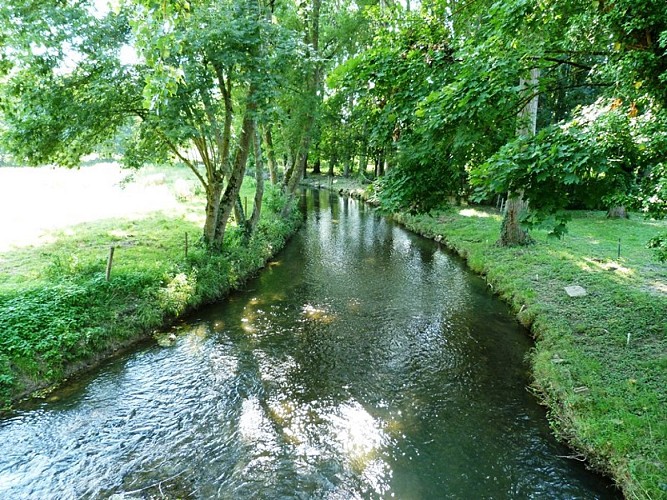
(363, 362)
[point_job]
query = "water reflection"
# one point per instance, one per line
(363, 363)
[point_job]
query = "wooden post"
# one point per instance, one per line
(109, 262)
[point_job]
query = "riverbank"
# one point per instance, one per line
(600, 360)
(60, 316)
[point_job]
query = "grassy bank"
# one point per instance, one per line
(59, 314)
(600, 361)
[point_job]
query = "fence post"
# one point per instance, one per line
(109, 262)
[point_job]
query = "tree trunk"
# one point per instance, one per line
(239, 213)
(379, 166)
(304, 164)
(270, 152)
(289, 172)
(317, 166)
(236, 177)
(299, 170)
(314, 83)
(617, 212)
(511, 232)
(346, 164)
(259, 181)
(333, 161)
(363, 163)
(213, 194)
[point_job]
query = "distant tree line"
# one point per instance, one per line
(553, 105)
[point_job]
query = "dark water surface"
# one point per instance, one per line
(364, 362)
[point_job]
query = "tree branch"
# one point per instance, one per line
(519, 104)
(210, 113)
(181, 157)
(225, 85)
(200, 142)
(565, 61)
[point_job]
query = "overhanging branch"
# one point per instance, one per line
(172, 147)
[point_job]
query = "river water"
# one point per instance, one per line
(363, 362)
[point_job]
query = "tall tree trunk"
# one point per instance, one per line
(346, 164)
(259, 183)
(511, 232)
(271, 154)
(239, 213)
(333, 162)
(313, 85)
(300, 168)
(303, 161)
(289, 172)
(363, 163)
(379, 166)
(233, 188)
(317, 166)
(213, 194)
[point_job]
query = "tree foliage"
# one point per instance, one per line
(431, 93)
(382, 88)
(595, 157)
(205, 74)
(601, 89)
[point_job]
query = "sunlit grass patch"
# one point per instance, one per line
(472, 212)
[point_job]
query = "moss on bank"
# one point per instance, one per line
(60, 316)
(600, 361)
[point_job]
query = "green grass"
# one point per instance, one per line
(600, 361)
(58, 314)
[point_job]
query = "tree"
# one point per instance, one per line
(207, 70)
(511, 232)
(589, 55)
(378, 92)
(313, 79)
(598, 153)
(332, 31)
